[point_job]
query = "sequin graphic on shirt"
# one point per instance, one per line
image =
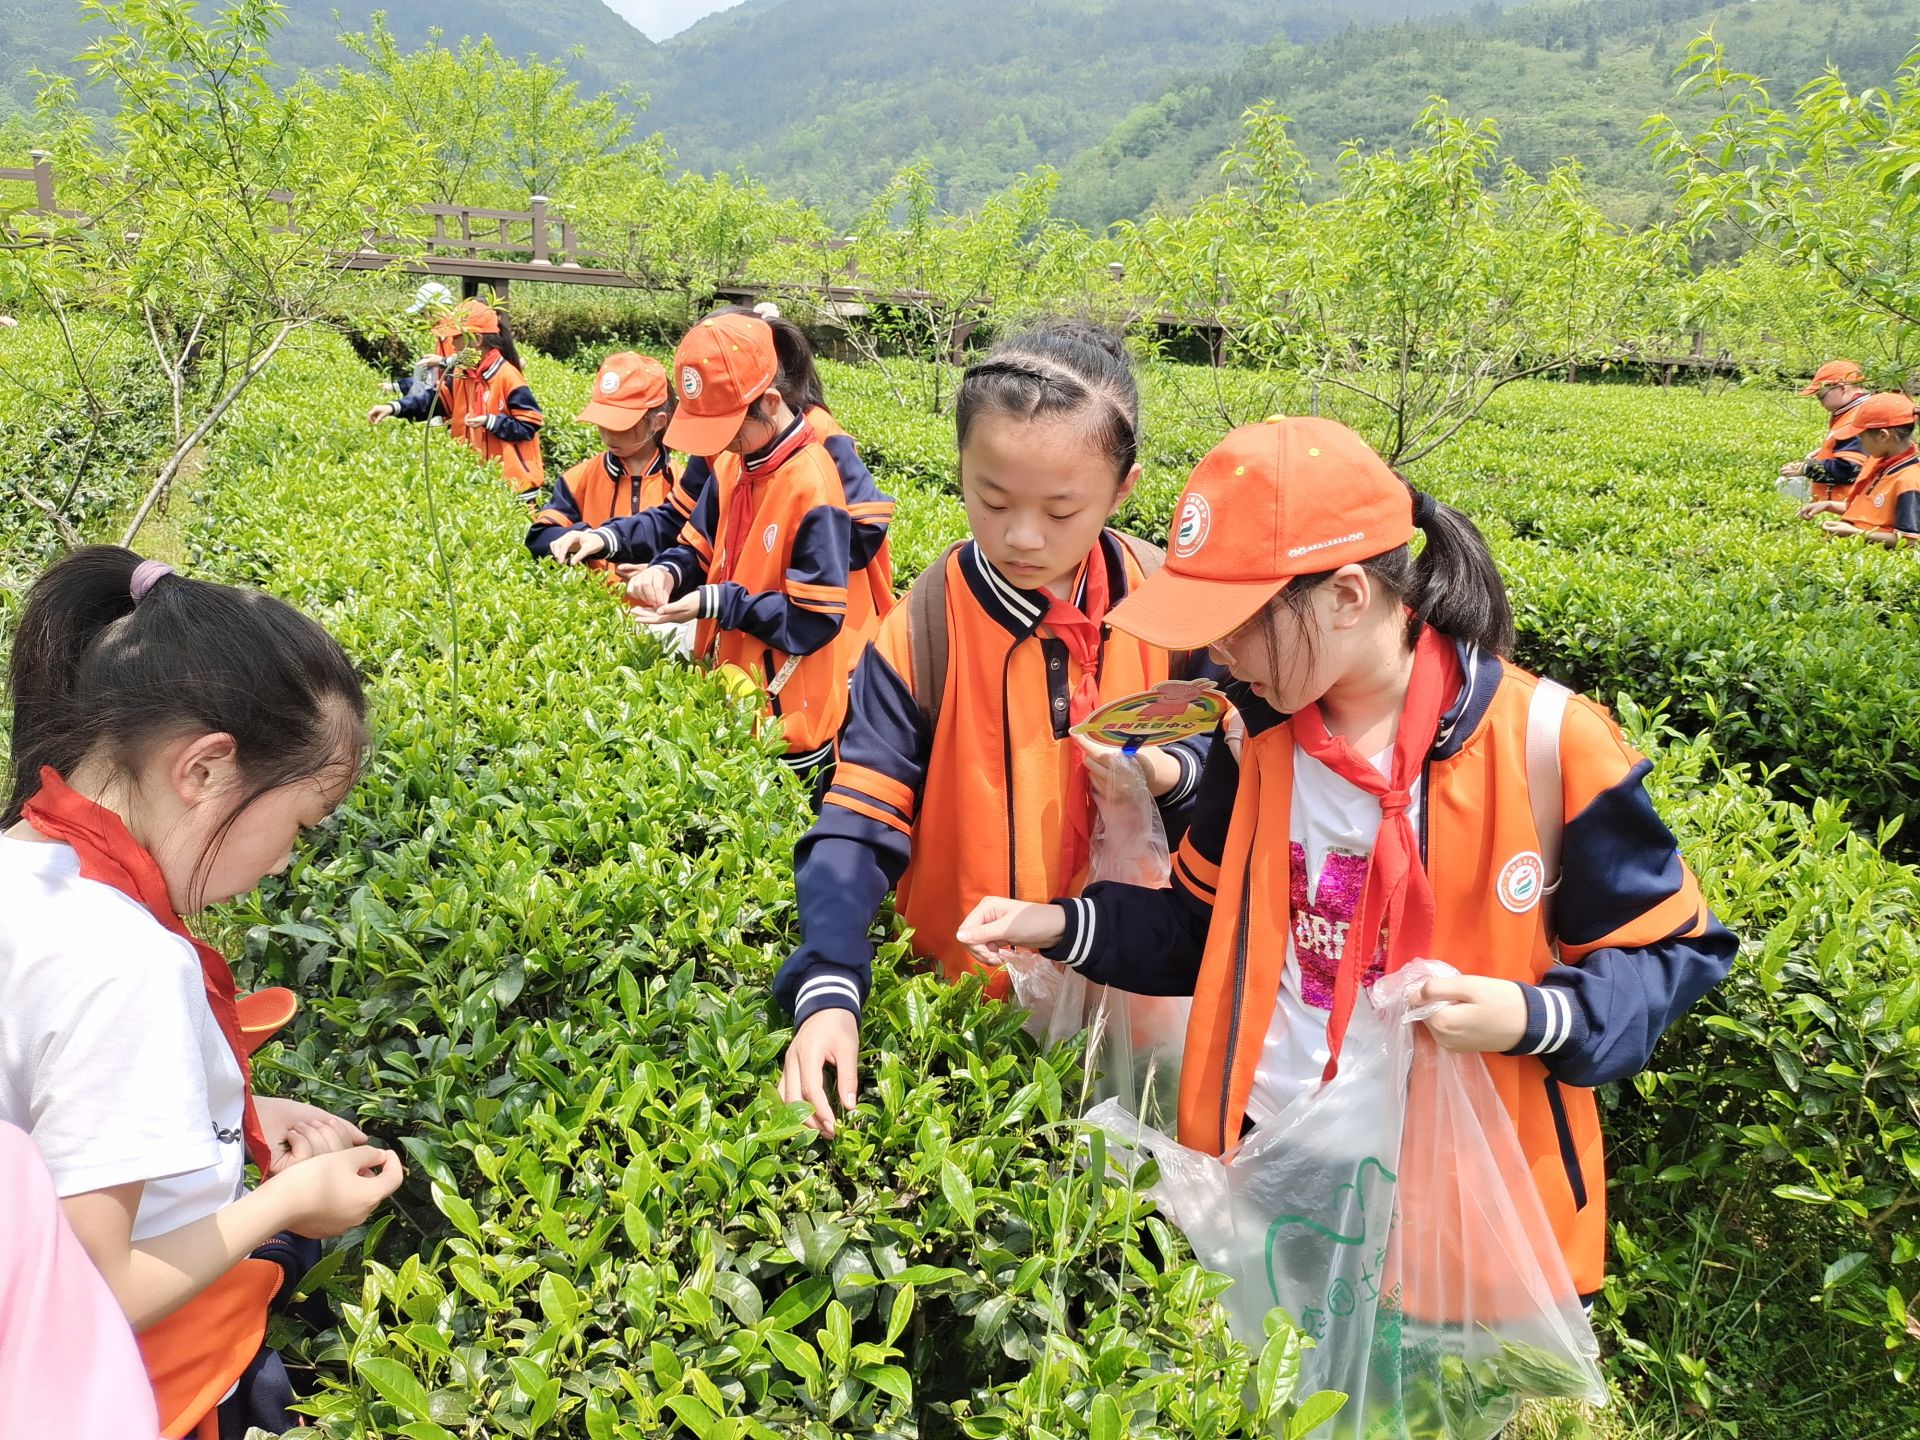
(1320, 924)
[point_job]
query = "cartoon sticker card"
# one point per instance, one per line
(1172, 710)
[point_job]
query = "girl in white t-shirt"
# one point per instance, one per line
(171, 738)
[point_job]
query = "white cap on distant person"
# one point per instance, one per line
(767, 310)
(431, 293)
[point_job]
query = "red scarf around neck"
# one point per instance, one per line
(1081, 629)
(110, 856)
(1396, 900)
(744, 504)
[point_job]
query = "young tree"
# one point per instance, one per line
(217, 214)
(1830, 182)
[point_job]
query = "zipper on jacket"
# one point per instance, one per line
(1239, 993)
(1006, 772)
(1569, 1156)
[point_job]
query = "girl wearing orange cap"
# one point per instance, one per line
(488, 403)
(1381, 810)
(170, 740)
(763, 564)
(632, 475)
(1832, 469)
(960, 778)
(1883, 505)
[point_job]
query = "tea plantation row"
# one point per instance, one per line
(535, 949)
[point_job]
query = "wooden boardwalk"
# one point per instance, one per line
(488, 248)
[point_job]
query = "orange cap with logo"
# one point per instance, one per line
(725, 364)
(1835, 372)
(1287, 497)
(1877, 412)
(628, 388)
(473, 317)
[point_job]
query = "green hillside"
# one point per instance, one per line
(47, 36)
(1563, 78)
(826, 99)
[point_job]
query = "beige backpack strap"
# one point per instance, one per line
(927, 636)
(1546, 711)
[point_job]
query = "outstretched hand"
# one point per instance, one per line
(829, 1037)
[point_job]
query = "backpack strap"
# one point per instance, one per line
(1546, 711)
(927, 636)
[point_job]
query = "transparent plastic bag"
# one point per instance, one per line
(1134, 1041)
(1391, 1213)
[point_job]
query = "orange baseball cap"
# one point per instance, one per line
(473, 317)
(1835, 372)
(1877, 412)
(628, 388)
(725, 364)
(1287, 497)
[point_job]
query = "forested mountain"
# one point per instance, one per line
(1132, 100)
(827, 98)
(1563, 78)
(46, 36)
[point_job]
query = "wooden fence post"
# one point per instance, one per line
(540, 230)
(42, 179)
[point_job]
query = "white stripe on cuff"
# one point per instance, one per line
(827, 985)
(612, 542)
(1557, 1020)
(1083, 937)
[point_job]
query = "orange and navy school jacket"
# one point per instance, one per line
(636, 538)
(766, 551)
(510, 430)
(1835, 466)
(870, 563)
(1887, 495)
(1636, 943)
(597, 490)
(447, 399)
(974, 809)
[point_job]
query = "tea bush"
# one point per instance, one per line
(535, 949)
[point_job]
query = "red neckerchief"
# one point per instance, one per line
(1081, 630)
(1396, 897)
(744, 503)
(110, 856)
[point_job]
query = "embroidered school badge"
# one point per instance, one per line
(1190, 531)
(690, 383)
(1522, 881)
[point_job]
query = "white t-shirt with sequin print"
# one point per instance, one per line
(1333, 828)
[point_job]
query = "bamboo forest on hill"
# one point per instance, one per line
(535, 946)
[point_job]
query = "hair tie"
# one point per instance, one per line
(1424, 507)
(146, 575)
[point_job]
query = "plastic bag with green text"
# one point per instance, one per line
(1390, 1212)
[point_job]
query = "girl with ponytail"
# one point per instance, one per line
(171, 738)
(1382, 808)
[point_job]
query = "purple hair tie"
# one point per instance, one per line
(146, 575)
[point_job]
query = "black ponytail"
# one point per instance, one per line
(1455, 586)
(503, 342)
(1064, 368)
(799, 379)
(1452, 585)
(97, 677)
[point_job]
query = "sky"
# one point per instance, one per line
(658, 19)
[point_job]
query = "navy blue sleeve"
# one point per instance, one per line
(1150, 942)
(872, 511)
(1176, 806)
(1644, 946)
(1906, 513)
(560, 514)
(522, 420)
(421, 401)
(810, 609)
(636, 539)
(688, 563)
(859, 847)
